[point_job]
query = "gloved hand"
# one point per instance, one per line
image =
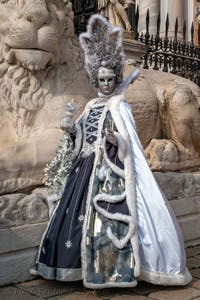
(67, 122)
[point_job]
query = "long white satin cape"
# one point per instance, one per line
(161, 248)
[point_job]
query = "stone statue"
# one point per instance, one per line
(198, 19)
(114, 11)
(198, 12)
(167, 112)
(41, 65)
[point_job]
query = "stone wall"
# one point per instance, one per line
(22, 223)
(183, 192)
(21, 228)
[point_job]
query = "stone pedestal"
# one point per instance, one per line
(24, 219)
(22, 223)
(183, 192)
(18, 250)
(134, 50)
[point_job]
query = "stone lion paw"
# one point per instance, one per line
(162, 154)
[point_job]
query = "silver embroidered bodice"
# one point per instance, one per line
(91, 129)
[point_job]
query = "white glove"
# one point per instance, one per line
(67, 123)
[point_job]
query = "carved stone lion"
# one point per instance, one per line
(41, 68)
(167, 112)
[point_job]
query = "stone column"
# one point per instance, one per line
(189, 17)
(196, 18)
(154, 8)
(175, 9)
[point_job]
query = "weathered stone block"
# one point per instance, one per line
(21, 237)
(190, 226)
(183, 192)
(179, 185)
(23, 220)
(20, 209)
(14, 266)
(185, 206)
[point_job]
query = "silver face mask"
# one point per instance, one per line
(106, 81)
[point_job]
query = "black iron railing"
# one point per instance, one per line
(170, 55)
(163, 53)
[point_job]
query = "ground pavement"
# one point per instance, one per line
(42, 289)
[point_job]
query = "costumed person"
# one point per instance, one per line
(112, 224)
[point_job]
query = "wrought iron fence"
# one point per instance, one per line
(170, 55)
(163, 53)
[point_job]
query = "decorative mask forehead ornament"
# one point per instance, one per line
(104, 56)
(106, 73)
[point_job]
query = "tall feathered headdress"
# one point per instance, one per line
(102, 45)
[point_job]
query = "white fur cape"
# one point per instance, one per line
(155, 236)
